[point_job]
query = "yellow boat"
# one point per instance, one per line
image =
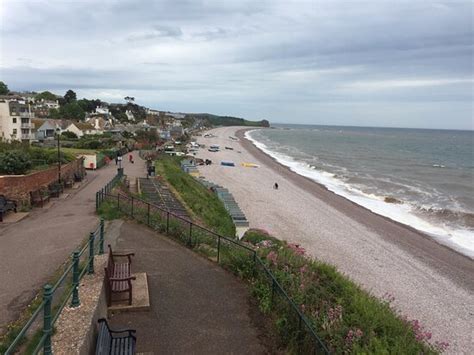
(249, 165)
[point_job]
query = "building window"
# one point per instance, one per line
(14, 131)
(14, 119)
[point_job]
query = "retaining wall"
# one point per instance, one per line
(18, 187)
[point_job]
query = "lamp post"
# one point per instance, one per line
(58, 131)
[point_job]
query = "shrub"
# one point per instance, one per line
(15, 162)
(69, 135)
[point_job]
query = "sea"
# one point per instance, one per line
(419, 177)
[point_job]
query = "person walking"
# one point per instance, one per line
(130, 158)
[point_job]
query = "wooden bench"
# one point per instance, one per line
(69, 183)
(110, 341)
(5, 206)
(55, 189)
(39, 197)
(78, 176)
(118, 275)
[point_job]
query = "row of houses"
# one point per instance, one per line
(18, 121)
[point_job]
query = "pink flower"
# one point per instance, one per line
(297, 249)
(352, 336)
(273, 257)
(441, 346)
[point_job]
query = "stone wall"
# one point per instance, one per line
(18, 187)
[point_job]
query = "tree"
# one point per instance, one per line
(54, 113)
(46, 95)
(14, 162)
(118, 113)
(72, 111)
(89, 105)
(70, 96)
(69, 135)
(3, 88)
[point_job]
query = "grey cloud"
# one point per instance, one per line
(159, 31)
(244, 55)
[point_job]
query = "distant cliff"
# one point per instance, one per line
(215, 120)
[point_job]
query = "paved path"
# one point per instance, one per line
(197, 307)
(32, 250)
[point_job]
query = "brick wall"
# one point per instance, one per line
(18, 187)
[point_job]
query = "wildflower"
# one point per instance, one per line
(353, 336)
(265, 243)
(441, 346)
(303, 269)
(273, 257)
(297, 248)
(388, 298)
(335, 313)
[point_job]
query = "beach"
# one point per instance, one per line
(430, 282)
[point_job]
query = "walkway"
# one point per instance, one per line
(32, 249)
(197, 307)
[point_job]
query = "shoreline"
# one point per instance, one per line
(430, 282)
(422, 246)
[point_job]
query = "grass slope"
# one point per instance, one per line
(201, 201)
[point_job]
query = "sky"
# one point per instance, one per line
(388, 63)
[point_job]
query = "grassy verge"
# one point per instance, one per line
(78, 151)
(348, 319)
(201, 201)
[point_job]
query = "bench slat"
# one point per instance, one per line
(107, 343)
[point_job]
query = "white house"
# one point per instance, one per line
(48, 129)
(130, 116)
(15, 119)
(102, 110)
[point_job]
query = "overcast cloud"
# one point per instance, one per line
(370, 63)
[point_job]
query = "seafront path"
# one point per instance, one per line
(197, 307)
(32, 249)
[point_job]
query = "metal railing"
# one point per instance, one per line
(99, 195)
(55, 297)
(226, 251)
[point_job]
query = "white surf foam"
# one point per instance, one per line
(459, 239)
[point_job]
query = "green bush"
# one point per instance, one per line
(15, 162)
(69, 135)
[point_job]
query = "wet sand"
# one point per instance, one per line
(430, 282)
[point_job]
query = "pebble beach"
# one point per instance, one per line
(430, 282)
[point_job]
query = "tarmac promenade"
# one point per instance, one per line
(32, 249)
(196, 306)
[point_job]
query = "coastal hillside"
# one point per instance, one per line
(215, 120)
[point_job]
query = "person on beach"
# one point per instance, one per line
(275, 186)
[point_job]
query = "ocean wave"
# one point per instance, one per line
(457, 237)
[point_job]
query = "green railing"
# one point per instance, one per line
(107, 189)
(227, 251)
(55, 297)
